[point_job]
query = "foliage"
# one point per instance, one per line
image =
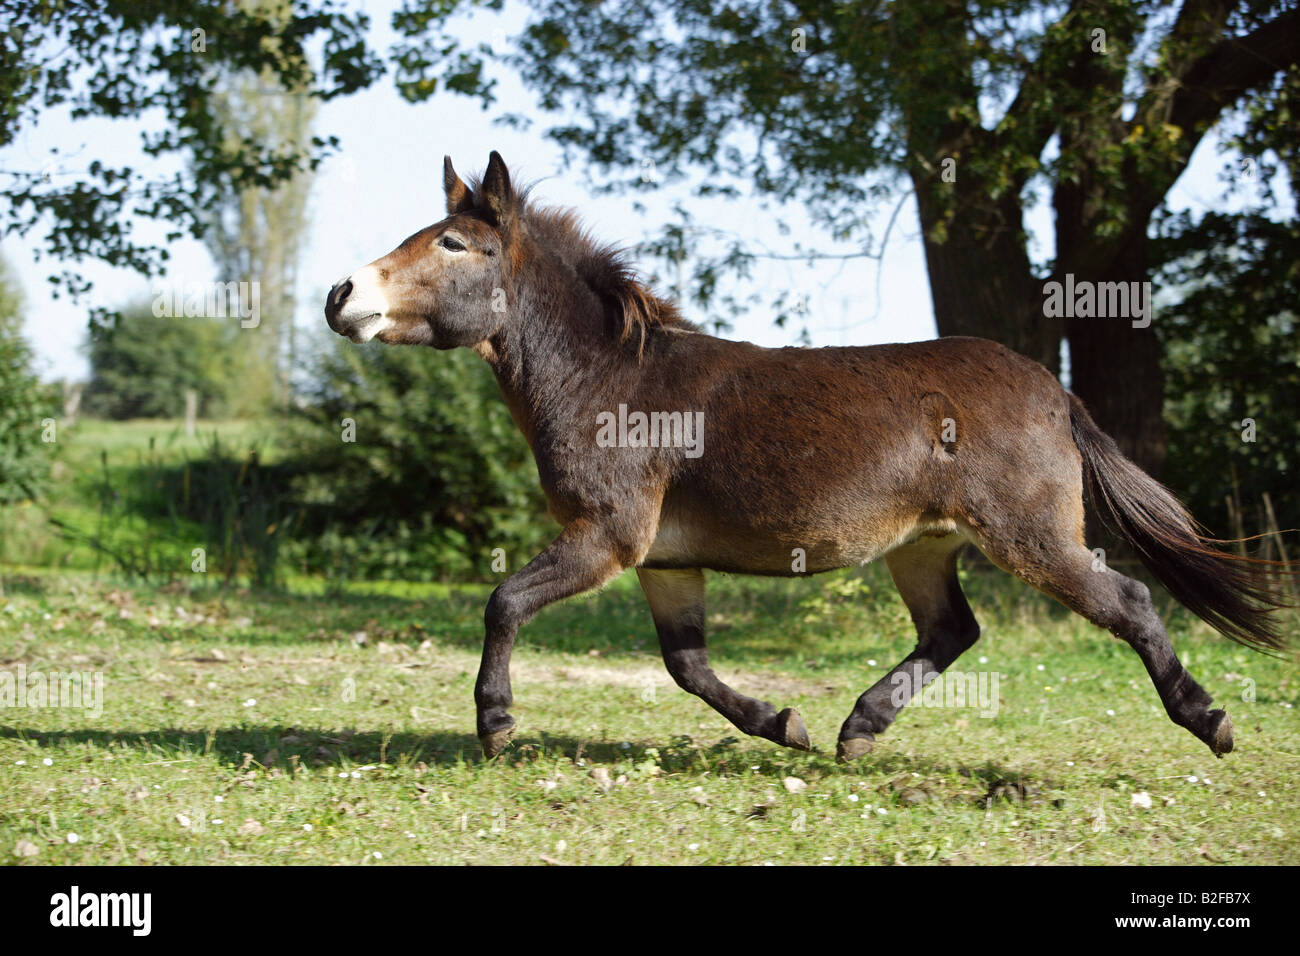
(127, 58)
(265, 500)
(142, 366)
(1232, 358)
(409, 465)
(130, 523)
(256, 232)
(244, 511)
(209, 511)
(24, 403)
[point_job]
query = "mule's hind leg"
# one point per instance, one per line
(677, 603)
(925, 573)
(1067, 571)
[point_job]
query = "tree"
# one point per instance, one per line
(142, 366)
(128, 58)
(255, 233)
(26, 408)
(835, 105)
(1232, 342)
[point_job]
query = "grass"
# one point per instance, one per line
(99, 470)
(293, 727)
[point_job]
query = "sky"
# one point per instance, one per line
(386, 183)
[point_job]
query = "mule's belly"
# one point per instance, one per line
(700, 543)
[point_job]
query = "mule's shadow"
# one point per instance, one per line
(313, 747)
(284, 747)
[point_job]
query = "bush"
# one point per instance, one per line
(142, 366)
(1232, 367)
(408, 465)
(24, 404)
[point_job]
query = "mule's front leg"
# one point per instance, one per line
(583, 557)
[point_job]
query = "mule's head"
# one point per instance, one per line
(443, 286)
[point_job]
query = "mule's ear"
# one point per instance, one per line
(459, 198)
(496, 196)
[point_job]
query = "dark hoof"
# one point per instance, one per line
(853, 748)
(790, 730)
(1220, 740)
(495, 742)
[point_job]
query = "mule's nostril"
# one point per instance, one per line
(341, 292)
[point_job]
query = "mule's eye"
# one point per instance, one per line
(451, 244)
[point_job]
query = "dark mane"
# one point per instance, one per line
(634, 310)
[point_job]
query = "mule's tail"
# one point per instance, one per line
(1227, 591)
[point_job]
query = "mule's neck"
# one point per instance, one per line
(553, 358)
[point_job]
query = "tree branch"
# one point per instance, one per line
(1231, 68)
(1039, 83)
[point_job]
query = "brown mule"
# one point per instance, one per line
(667, 450)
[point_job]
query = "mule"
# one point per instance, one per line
(808, 460)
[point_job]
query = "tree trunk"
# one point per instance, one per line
(981, 283)
(1115, 368)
